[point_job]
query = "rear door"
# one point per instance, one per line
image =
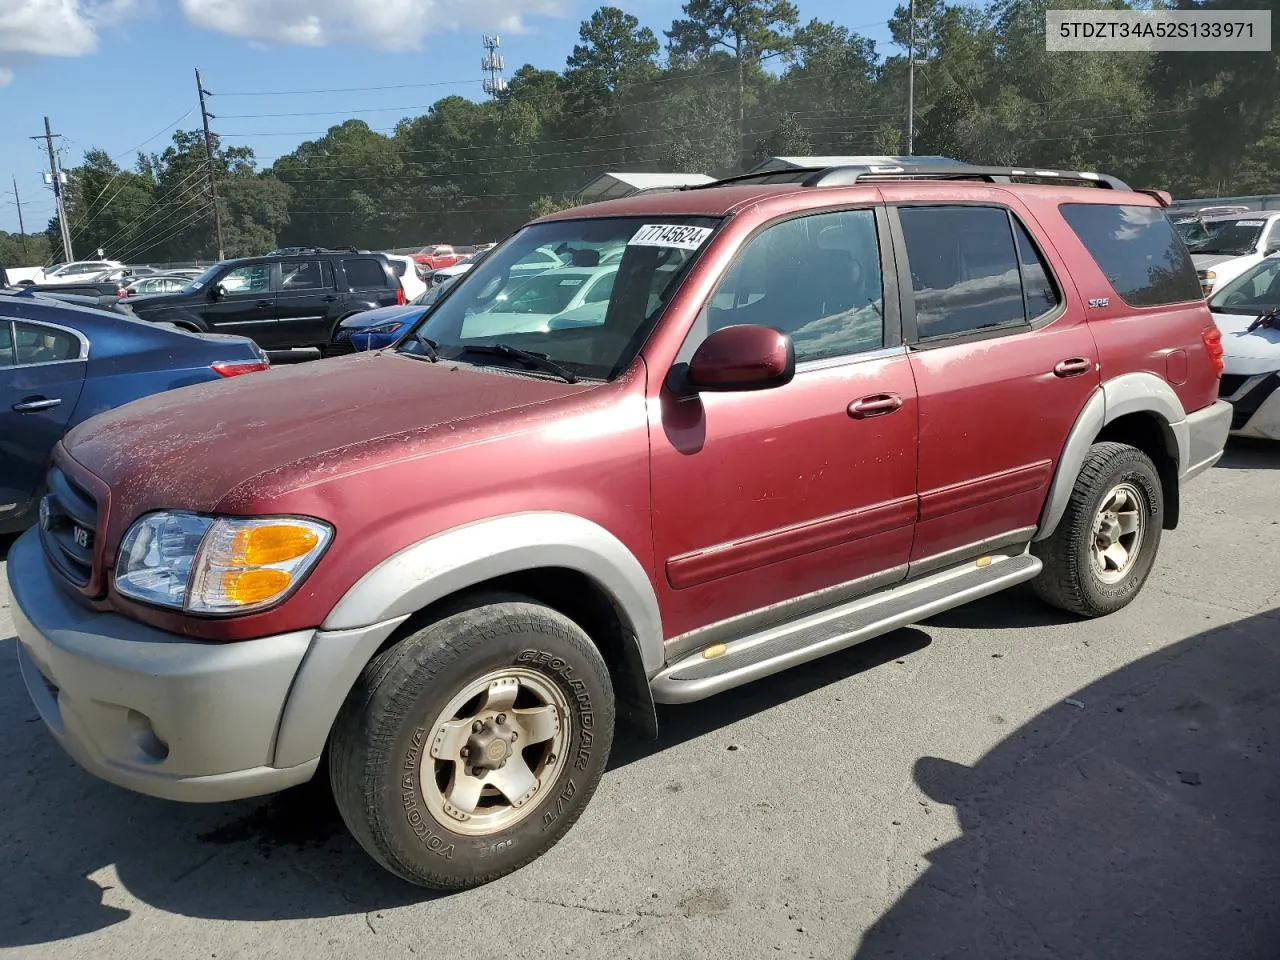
(305, 303)
(1004, 362)
(368, 281)
(42, 368)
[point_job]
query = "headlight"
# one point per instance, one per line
(217, 565)
(394, 326)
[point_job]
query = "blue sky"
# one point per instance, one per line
(114, 73)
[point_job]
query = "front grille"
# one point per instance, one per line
(69, 527)
(1243, 409)
(340, 345)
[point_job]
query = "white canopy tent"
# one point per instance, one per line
(782, 164)
(612, 186)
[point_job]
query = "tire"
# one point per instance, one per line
(412, 706)
(1073, 578)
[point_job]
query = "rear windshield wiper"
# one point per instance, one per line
(532, 361)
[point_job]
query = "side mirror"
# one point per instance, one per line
(217, 292)
(742, 357)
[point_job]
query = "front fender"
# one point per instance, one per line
(467, 556)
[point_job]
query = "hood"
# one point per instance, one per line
(371, 318)
(1205, 260)
(1247, 354)
(190, 448)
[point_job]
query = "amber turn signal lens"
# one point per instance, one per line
(246, 587)
(276, 543)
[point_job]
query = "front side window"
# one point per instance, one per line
(965, 270)
(545, 292)
(36, 343)
(253, 278)
(815, 278)
(1138, 251)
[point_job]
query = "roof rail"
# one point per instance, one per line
(843, 176)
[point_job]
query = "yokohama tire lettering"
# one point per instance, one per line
(409, 799)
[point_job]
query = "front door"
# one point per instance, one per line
(768, 496)
(1004, 363)
(42, 371)
(304, 303)
(247, 307)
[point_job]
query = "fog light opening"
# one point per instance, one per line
(145, 738)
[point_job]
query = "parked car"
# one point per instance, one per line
(375, 329)
(294, 300)
(1191, 230)
(1235, 243)
(445, 274)
(814, 412)
(412, 275)
(61, 364)
(1251, 349)
(104, 292)
(437, 256)
(162, 283)
(75, 272)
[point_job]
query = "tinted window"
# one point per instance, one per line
(1037, 279)
(6, 344)
(398, 267)
(815, 278)
(1138, 251)
(964, 269)
(363, 274)
(303, 275)
(37, 343)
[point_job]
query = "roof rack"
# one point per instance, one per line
(843, 176)
(295, 251)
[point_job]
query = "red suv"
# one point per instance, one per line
(803, 410)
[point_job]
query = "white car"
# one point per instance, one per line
(1251, 379)
(78, 271)
(533, 303)
(1235, 243)
(410, 273)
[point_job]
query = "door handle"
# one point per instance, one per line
(875, 405)
(329, 299)
(1073, 367)
(36, 403)
(264, 303)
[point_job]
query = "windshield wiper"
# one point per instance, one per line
(429, 349)
(532, 361)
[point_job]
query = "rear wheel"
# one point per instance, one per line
(1103, 550)
(470, 748)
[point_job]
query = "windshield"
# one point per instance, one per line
(1192, 231)
(590, 319)
(1231, 237)
(1254, 292)
(202, 280)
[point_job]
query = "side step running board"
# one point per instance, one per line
(724, 666)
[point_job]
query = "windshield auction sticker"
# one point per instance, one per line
(1149, 30)
(670, 235)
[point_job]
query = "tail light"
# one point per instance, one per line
(225, 368)
(400, 297)
(1212, 338)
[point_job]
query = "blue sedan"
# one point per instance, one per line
(375, 329)
(61, 364)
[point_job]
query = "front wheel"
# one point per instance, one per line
(469, 748)
(1099, 557)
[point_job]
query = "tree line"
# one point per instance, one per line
(729, 83)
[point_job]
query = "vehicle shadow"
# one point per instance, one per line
(69, 839)
(1246, 453)
(1135, 820)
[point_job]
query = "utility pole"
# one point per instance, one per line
(22, 229)
(493, 65)
(56, 181)
(911, 78)
(208, 150)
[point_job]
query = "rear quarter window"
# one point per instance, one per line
(364, 273)
(1137, 250)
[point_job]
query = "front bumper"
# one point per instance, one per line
(1206, 432)
(1256, 404)
(171, 717)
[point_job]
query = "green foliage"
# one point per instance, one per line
(744, 80)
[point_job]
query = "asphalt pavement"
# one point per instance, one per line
(999, 783)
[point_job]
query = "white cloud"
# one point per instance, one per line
(390, 25)
(54, 28)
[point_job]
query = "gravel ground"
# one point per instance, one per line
(997, 783)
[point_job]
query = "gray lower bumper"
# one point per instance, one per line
(172, 717)
(1207, 431)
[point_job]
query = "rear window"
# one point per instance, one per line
(1137, 250)
(398, 267)
(363, 273)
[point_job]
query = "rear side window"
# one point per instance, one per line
(964, 269)
(1137, 250)
(305, 275)
(364, 273)
(37, 343)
